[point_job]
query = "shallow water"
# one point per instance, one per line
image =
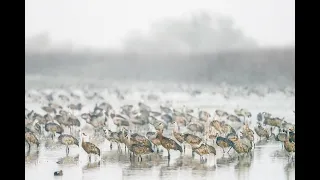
(269, 160)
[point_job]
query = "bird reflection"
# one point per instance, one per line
(32, 157)
(68, 160)
(92, 165)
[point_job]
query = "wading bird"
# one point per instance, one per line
(89, 148)
(68, 140)
(168, 143)
(30, 138)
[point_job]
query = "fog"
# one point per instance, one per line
(199, 47)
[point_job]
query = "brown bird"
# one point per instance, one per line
(248, 133)
(152, 136)
(204, 149)
(135, 139)
(178, 136)
(90, 148)
(139, 150)
(30, 138)
(239, 146)
(275, 122)
(216, 125)
(193, 140)
(289, 146)
(168, 143)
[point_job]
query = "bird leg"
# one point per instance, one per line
(29, 147)
(229, 149)
(67, 151)
(157, 149)
(223, 150)
(52, 135)
(89, 158)
(110, 145)
(292, 158)
(168, 153)
(184, 148)
(192, 154)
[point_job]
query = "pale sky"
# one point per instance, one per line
(104, 23)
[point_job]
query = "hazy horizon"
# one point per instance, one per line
(111, 25)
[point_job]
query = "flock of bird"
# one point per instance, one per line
(141, 130)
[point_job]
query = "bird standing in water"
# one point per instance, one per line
(168, 143)
(89, 147)
(30, 138)
(68, 140)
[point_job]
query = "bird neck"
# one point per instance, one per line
(160, 136)
(175, 129)
(82, 141)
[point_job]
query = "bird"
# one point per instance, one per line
(152, 136)
(286, 125)
(226, 128)
(216, 125)
(178, 136)
(168, 143)
(135, 138)
(139, 150)
(248, 133)
(112, 137)
(281, 136)
(196, 127)
(243, 112)
(262, 116)
(53, 128)
(30, 138)
(74, 107)
(166, 110)
(221, 113)
(204, 149)
(193, 140)
(68, 140)
(261, 132)
(49, 109)
(233, 118)
(58, 173)
(144, 106)
(89, 147)
(275, 122)
(55, 106)
(204, 116)
(292, 136)
(223, 143)
(237, 145)
(289, 146)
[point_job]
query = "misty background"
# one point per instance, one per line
(200, 46)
